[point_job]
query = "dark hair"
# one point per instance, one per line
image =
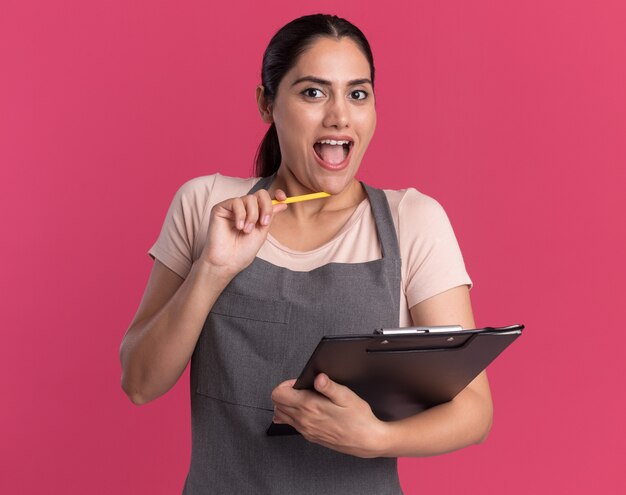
(282, 54)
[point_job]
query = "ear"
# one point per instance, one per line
(264, 107)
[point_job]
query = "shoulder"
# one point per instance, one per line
(431, 258)
(216, 185)
(199, 192)
(411, 198)
(411, 206)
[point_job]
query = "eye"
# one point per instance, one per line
(313, 93)
(358, 94)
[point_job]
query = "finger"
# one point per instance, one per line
(239, 211)
(284, 394)
(252, 212)
(283, 417)
(308, 428)
(286, 413)
(265, 207)
(288, 383)
(338, 394)
(280, 195)
(280, 207)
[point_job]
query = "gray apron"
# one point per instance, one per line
(260, 332)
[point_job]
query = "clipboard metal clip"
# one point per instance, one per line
(418, 330)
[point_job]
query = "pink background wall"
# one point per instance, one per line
(512, 114)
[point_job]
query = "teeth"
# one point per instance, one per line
(333, 142)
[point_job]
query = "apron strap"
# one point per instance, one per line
(384, 222)
(263, 183)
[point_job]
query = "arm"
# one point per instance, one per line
(337, 418)
(162, 337)
(463, 421)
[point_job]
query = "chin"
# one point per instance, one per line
(335, 185)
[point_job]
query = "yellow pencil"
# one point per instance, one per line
(304, 197)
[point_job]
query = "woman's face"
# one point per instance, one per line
(325, 116)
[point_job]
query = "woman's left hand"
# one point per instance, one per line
(333, 416)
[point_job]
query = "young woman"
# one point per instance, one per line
(245, 289)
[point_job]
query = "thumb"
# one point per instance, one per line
(338, 394)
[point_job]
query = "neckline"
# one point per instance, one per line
(351, 222)
(381, 212)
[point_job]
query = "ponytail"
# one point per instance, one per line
(268, 155)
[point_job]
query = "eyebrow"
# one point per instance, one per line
(324, 82)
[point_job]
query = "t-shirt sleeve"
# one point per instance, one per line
(432, 259)
(175, 244)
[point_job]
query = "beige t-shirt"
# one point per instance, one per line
(431, 259)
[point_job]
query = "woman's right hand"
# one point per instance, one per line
(163, 335)
(237, 229)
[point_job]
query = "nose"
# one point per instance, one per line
(337, 114)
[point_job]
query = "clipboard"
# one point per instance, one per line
(403, 371)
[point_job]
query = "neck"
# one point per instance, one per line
(349, 197)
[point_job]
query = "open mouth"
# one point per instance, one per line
(331, 151)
